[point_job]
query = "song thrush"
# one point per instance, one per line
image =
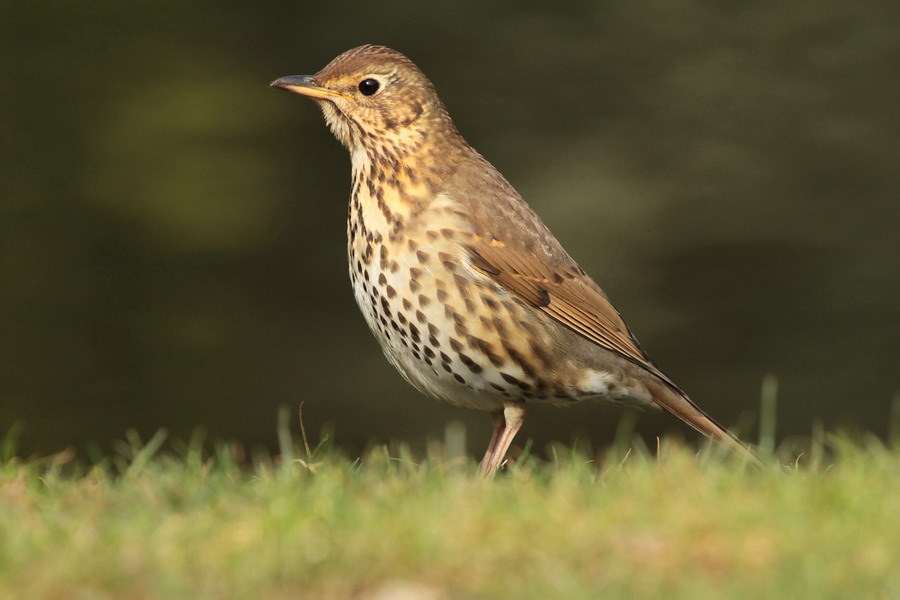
(472, 298)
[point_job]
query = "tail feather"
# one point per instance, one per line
(682, 407)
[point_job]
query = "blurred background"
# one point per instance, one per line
(172, 239)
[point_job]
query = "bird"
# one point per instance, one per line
(471, 297)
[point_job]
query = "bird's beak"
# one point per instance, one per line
(303, 85)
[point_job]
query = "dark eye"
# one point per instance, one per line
(367, 87)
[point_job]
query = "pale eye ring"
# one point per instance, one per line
(368, 86)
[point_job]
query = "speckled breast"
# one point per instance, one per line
(451, 332)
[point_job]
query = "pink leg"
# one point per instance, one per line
(506, 426)
(499, 423)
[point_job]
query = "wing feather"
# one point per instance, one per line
(512, 246)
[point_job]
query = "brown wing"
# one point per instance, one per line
(565, 294)
(513, 247)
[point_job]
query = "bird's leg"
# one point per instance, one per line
(506, 425)
(499, 423)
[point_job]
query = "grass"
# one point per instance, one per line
(145, 524)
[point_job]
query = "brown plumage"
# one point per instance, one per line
(472, 298)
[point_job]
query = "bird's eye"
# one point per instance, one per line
(367, 87)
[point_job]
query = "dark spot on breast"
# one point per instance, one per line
(459, 325)
(391, 292)
(424, 300)
(421, 256)
(516, 382)
(382, 280)
(441, 295)
(517, 358)
(485, 348)
(471, 364)
(459, 378)
(420, 317)
(509, 378)
(489, 302)
(495, 359)
(407, 305)
(455, 345)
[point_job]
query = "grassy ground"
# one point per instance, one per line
(672, 525)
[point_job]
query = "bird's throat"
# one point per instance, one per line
(394, 183)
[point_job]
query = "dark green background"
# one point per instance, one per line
(172, 232)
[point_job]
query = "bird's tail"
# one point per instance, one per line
(682, 407)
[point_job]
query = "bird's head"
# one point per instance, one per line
(375, 100)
